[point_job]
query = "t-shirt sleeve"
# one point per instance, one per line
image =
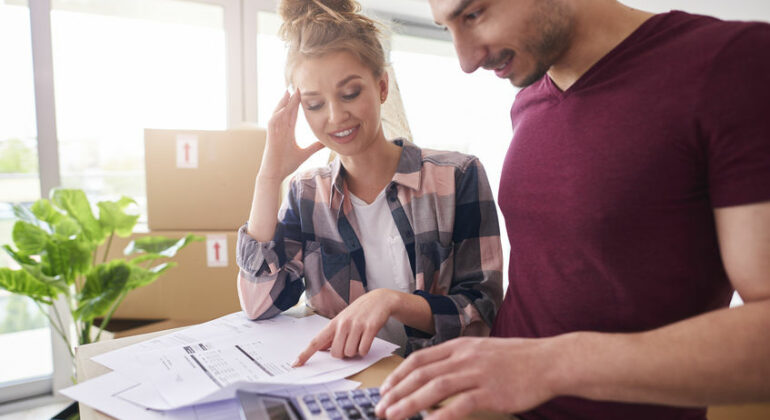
(734, 115)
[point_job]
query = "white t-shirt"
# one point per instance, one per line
(387, 263)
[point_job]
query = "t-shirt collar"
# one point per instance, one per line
(407, 173)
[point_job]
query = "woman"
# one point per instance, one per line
(388, 240)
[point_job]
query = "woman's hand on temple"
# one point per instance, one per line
(352, 331)
(282, 154)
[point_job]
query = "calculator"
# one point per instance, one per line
(357, 404)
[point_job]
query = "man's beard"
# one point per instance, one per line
(553, 24)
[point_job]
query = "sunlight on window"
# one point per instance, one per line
(122, 67)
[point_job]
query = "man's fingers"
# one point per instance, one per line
(320, 342)
(415, 381)
(460, 407)
(436, 390)
(416, 360)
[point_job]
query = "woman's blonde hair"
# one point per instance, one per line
(313, 28)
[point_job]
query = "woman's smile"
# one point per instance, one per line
(345, 135)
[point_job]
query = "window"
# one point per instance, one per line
(153, 64)
(24, 331)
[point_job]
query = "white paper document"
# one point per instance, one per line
(210, 361)
(229, 325)
(106, 393)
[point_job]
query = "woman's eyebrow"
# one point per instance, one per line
(347, 79)
(339, 84)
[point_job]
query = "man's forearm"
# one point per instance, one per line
(716, 358)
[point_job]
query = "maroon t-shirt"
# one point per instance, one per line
(608, 188)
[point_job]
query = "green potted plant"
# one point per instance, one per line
(56, 243)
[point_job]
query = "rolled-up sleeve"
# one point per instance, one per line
(270, 273)
(475, 294)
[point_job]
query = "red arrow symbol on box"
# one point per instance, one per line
(216, 250)
(187, 154)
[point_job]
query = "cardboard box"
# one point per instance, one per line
(201, 180)
(200, 288)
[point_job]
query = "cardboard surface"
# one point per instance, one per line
(201, 180)
(199, 288)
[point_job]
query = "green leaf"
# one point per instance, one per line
(23, 213)
(35, 269)
(45, 211)
(146, 257)
(76, 204)
(19, 258)
(142, 277)
(68, 258)
(160, 245)
(113, 217)
(29, 238)
(67, 228)
(104, 284)
(57, 281)
(23, 283)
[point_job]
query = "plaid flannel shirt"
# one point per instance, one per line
(443, 208)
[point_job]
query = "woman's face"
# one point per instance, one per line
(341, 99)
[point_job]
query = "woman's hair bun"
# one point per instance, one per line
(292, 11)
(312, 28)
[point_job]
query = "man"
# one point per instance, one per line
(636, 196)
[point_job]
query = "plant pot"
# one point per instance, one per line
(71, 412)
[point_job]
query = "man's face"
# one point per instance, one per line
(517, 39)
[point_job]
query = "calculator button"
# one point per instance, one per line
(335, 415)
(361, 400)
(308, 399)
(328, 404)
(313, 407)
(369, 412)
(352, 413)
(345, 402)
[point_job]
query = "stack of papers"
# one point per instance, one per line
(195, 372)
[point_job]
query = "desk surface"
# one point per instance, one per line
(87, 369)
(372, 376)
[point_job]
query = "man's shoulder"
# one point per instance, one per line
(707, 31)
